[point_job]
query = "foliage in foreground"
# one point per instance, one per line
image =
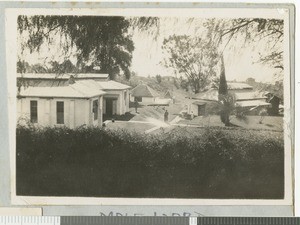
(184, 163)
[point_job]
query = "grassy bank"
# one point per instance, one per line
(185, 163)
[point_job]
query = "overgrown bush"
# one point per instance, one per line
(200, 163)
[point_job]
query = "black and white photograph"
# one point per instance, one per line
(152, 106)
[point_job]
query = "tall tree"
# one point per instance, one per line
(193, 57)
(100, 41)
(223, 90)
(224, 98)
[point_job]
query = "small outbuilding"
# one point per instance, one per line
(246, 99)
(198, 108)
(142, 93)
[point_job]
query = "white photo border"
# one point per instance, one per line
(11, 55)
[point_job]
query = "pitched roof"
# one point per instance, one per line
(213, 95)
(112, 85)
(238, 86)
(210, 95)
(252, 103)
(64, 76)
(143, 90)
(249, 95)
(168, 94)
(86, 89)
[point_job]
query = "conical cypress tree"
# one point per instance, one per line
(223, 83)
(223, 92)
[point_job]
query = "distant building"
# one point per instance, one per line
(245, 97)
(198, 108)
(74, 102)
(168, 94)
(142, 93)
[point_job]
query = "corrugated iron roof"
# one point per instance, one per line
(112, 85)
(86, 89)
(249, 95)
(64, 76)
(143, 90)
(252, 103)
(238, 86)
(210, 95)
(213, 94)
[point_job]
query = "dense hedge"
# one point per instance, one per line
(184, 163)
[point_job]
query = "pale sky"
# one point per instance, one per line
(148, 53)
(238, 63)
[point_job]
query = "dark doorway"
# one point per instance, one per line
(201, 110)
(109, 107)
(138, 99)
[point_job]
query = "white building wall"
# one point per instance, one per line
(148, 99)
(145, 100)
(81, 109)
(193, 109)
(126, 101)
(121, 106)
(77, 112)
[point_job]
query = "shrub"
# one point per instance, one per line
(200, 163)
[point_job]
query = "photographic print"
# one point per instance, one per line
(152, 105)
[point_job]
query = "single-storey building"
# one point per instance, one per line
(54, 80)
(197, 108)
(72, 106)
(246, 99)
(74, 96)
(144, 94)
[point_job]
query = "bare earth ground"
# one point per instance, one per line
(273, 123)
(156, 112)
(150, 119)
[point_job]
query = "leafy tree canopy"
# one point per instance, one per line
(241, 32)
(195, 58)
(101, 42)
(264, 35)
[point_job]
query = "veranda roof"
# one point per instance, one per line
(112, 85)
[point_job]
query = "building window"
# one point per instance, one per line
(60, 112)
(138, 99)
(95, 109)
(33, 112)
